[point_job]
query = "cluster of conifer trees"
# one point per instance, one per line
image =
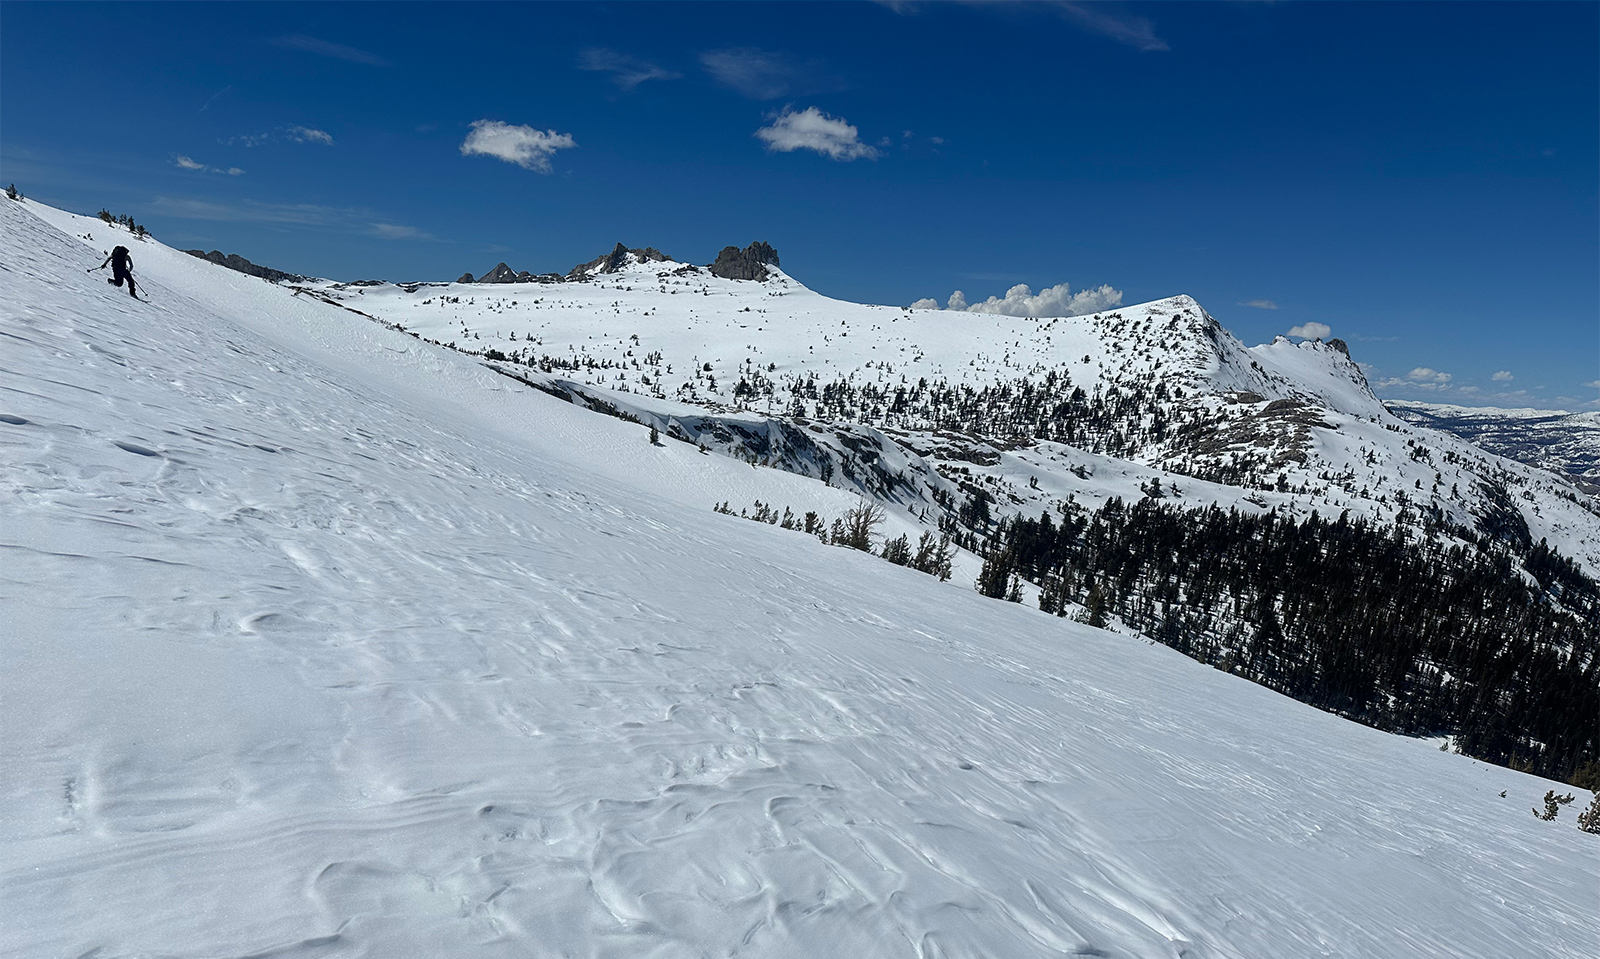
(126, 221)
(1380, 625)
(856, 529)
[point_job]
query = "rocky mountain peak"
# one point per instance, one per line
(619, 258)
(500, 274)
(749, 263)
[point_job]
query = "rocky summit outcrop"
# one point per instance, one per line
(500, 274)
(616, 260)
(234, 261)
(467, 278)
(749, 263)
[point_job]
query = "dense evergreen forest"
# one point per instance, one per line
(1491, 641)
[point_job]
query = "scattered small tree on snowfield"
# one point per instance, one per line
(1589, 819)
(1552, 805)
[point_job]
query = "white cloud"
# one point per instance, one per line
(308, 135)
(523, 145)
(1504, 376)
(1423, 374)
(188, 163)
(762, 75)
(1260, 304)
(1311, 331)
(1020, 300)
(1056, 300)
(1593, 384)
(626, 71)
(811, 129)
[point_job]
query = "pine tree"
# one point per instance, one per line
(1552, 806)
(859, 525)
(898, 550)
(1096, 604)
(994, 579)
(1589, 819)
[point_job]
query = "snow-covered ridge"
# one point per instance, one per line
(1287, 425)
(321, 640)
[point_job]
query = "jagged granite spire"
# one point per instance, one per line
(749, 263)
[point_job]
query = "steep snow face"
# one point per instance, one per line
(323, 641)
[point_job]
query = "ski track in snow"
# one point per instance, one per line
(323, 642)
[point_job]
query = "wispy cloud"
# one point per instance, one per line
(336, 51)
(764, 75)
(1094, 16)
(1260, 304)
(308, 135)
(523, 145)
(398, 231)
(1105, 20)
(189, 163)
(811, 129)
(214, 97)
(626, 71)
(1502, 376)
(351, 220)
(294, 134)
(1311, 331)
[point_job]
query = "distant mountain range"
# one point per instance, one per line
(1552, 439)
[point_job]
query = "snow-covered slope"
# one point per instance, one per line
(319, 640)
(1165, 389)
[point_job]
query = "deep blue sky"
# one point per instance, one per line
(1420, 178)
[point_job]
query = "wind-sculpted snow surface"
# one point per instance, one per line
(320, 641)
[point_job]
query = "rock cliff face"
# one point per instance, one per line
(234, 261)
(616, 260)
(749, 263)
